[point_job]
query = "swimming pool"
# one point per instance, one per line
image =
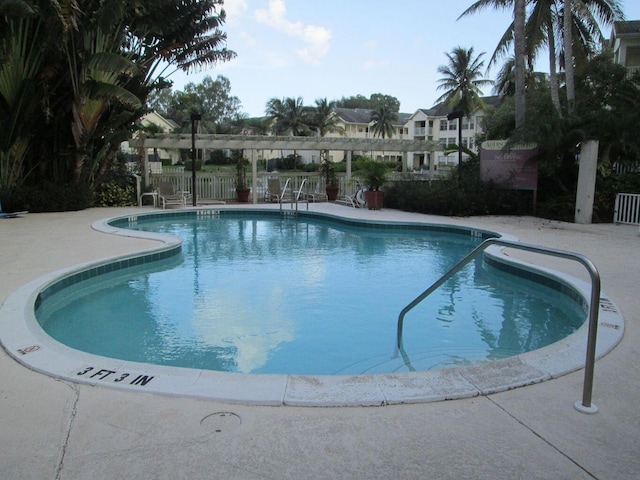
(293, 388)
(264, 293)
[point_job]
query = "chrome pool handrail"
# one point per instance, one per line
(585, 406)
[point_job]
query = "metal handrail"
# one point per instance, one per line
(585, 406)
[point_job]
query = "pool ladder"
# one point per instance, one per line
(585, 406)
(295, 197)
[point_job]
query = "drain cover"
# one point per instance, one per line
(221, 421)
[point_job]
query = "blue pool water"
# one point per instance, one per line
(266, 294)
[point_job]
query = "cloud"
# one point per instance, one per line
(316, 38)
(371, 64)
(234, 8)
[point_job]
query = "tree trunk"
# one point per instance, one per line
(568, 55)
(553, 72)
(520, 57)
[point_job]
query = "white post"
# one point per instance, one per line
(254, 176)
(586, 181)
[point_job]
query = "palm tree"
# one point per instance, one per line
(288, 115)
(462, 81)
(546, 20)
(568, 54)
(325, 121)
(382, 119)
(519, 20)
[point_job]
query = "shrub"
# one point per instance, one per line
(460, 196)
(187, 165)
(46, 197)
(113, 194)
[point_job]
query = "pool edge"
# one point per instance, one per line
(30, 346)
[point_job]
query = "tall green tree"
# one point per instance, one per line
(211, 98)
(374, 101)
(92, 64)
(547, 27)
(519, 41)
(462, 80)
(288, 115)
(324, 119)
(382, 119)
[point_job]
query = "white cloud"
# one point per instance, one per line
(234, 8)
(316, 38)
(371, 64)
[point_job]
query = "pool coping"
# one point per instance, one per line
(24, 340)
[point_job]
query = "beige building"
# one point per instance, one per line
(625, 42)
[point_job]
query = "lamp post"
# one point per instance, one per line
(195, 117)
(452, 116)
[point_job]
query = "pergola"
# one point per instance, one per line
(265, 142)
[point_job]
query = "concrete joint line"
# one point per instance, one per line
(74, 410)
(538, 435)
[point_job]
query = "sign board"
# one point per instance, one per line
(515, 168)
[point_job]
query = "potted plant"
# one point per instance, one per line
(374, 175)
(242, 189)
(328, 171)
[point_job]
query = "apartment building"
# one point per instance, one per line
(625, 43)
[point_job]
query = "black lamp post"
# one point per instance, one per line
(195, 117)
(452, 116)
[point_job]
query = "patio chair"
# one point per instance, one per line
(357, 200)
(316, 196)
(276, 194)
(167, 195)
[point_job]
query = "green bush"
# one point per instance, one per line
(46, 197)
(187, 165)
(458, 196)
(113, 194)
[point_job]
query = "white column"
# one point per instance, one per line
(586, 181)
(254, 177)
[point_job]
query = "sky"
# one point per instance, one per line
(340, 48)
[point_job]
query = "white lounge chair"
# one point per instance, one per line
(316, 196)
(275, 193)
(167, 195)
(357, 200)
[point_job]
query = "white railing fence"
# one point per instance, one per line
(627, 208)
(216, 186)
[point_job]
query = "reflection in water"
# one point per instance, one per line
(265, 295)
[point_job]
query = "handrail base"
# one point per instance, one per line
(588, 410)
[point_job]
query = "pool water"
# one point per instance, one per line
(266, 294)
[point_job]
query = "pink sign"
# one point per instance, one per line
(514, 168)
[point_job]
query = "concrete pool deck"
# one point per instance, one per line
(59, 429)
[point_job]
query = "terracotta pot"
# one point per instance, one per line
(332, 193)
(374, 199)
(243, 194)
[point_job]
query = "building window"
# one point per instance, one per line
(444, 125)
(633, 57)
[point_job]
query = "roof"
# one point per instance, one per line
(363, 116)
(626, 28)
(442, 109)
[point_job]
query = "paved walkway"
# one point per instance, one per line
(53, 429)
